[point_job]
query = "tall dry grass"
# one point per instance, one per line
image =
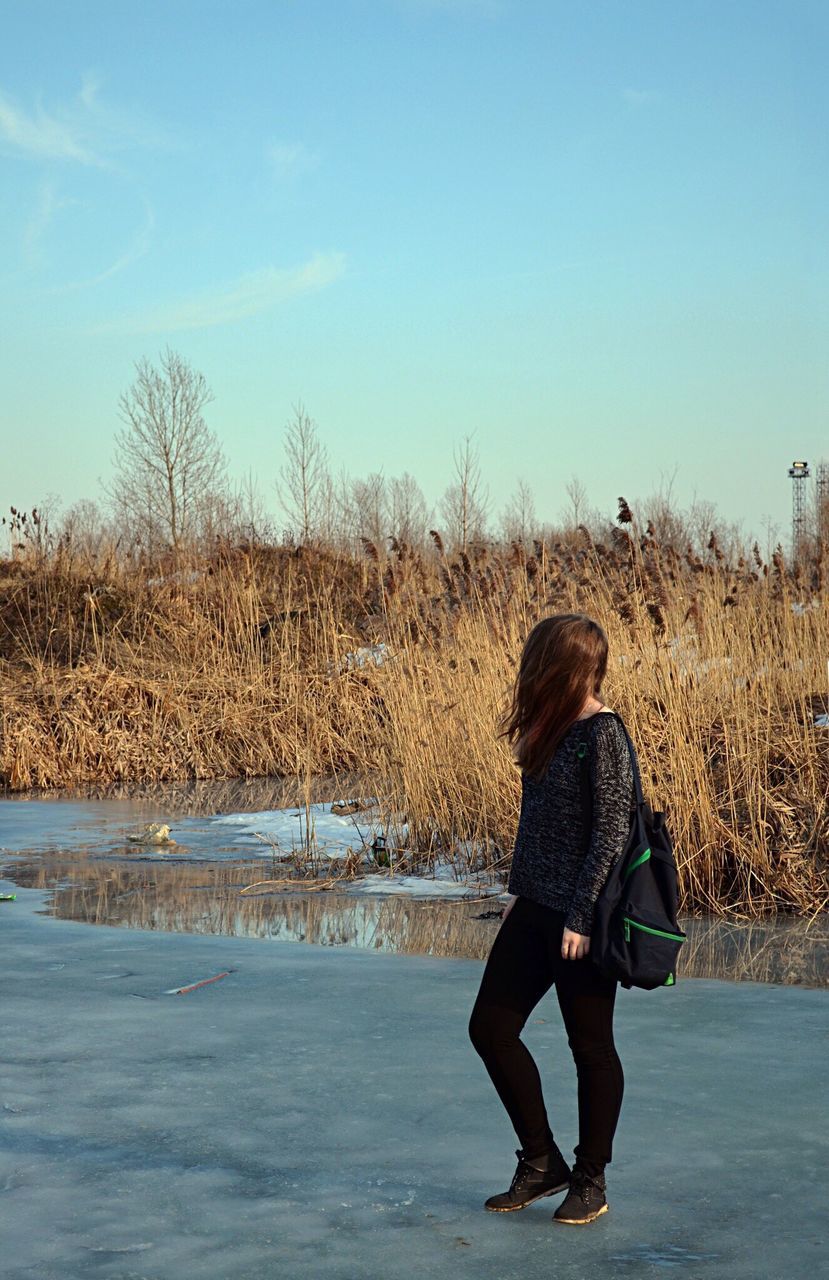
(232, 668)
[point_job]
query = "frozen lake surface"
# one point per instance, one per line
(213, 822)
(317, 1110)
(229, 872)
(322, 1114)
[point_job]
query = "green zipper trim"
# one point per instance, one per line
(660, 933)
(643, 857)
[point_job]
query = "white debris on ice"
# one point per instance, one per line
(334, 837)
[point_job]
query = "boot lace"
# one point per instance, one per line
(523, 1173)
(581, 1183)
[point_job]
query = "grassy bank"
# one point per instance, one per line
(237, 665)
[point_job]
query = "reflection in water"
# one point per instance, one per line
(189, 897)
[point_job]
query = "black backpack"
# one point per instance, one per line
(635, 937)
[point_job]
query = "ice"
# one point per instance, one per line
(322, 1113)
(110, 826)
(422, 886)
(333, 834)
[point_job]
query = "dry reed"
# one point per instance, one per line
(235, 668)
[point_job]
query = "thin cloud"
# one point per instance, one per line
(252, 294)
(289, 159)
(115, 128)
(138, 246)
(47, 205)
(42, 135)
(89, 90)
(83, 130)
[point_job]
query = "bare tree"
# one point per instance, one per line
(463, 505)
(331, 525)
(236, 513)
(680, 527)
(84, 529)
(338, 515)
(772, 531)
(518, 520)
(576, 513)
(371, 509)
(408, 513)
(253, 520)
(338, 521)
(304, 476)
(167, 461)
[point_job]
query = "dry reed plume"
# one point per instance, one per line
(235, 667)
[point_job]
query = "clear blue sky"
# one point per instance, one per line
(593, 234)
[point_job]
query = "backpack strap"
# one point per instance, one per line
(584, 758)
(637, 778)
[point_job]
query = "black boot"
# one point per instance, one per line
(586, 1198)
(543, 1175)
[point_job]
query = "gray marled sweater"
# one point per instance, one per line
(556, 861)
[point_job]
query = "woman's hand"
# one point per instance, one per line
(574, 945)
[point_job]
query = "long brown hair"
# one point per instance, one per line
(563, 662)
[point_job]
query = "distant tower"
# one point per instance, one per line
(799, 472)
(822, 501)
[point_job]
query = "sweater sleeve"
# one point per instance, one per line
(611, 788)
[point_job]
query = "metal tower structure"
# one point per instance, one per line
(799, 473)
(822, 501)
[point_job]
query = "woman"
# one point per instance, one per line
(566, 744)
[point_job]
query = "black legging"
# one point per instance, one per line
(524, 962)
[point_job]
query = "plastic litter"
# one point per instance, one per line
(152, 833)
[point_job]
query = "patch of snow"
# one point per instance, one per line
(336, 836)
(333, 834)
(422, 887)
